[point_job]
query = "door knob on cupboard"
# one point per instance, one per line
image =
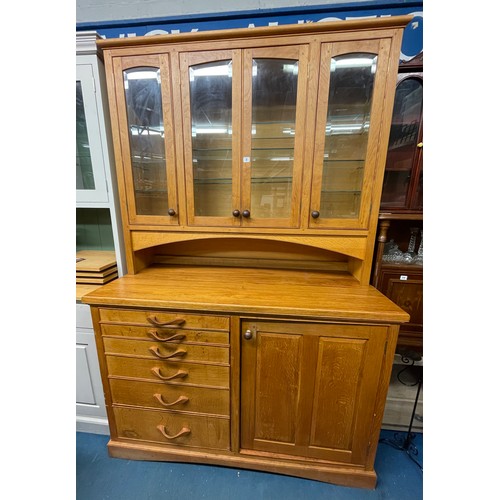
(314, 214)
(246, 213)
(248, 334)
(171, 212)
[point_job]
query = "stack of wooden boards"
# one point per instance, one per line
(93, 269)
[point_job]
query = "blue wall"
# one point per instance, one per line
(412, 37)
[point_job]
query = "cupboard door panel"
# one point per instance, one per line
(347, 376)
(405, 288)
(211, 100)
(336, 386)
(277, 387)
(309, 389)
(144, 104)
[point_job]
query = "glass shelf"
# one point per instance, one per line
(340, 191)
(151, 192)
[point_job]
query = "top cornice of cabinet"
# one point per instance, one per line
(86, 42)
(289, 29)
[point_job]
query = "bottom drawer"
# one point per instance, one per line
(172, 429)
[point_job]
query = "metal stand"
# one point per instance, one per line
(405, 443)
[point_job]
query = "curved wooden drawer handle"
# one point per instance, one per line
(177, 336)
(183, 432)
(156, 352)
(169, 324)
(179, 374)
(180, 400)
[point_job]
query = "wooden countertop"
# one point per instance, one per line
(264, 292)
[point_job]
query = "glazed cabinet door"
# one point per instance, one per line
(211, 108)
(351, 91)
(144, 107)
(402, 189)
(309, 389)
(244, 114)
(274, 101)
(90, 172)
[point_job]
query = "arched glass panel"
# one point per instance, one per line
(352, 78)
(147, 139)
(403, 140)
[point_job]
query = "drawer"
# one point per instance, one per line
(177, 429)
(175, 336)
(164, 351)
(169, 372)
(156, 318)
(170, 397)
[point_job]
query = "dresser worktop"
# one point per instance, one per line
(305, 294)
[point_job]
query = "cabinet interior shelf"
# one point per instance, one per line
(340, 191)
(400, 216)
(255, 180)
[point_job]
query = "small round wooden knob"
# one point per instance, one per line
(236, 213)
(246, 213)
(248, 334)
(314, 214)
(171, 212)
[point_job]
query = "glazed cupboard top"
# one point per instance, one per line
(257, 143)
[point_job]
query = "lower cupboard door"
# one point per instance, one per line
(172, 428)
(310, 390)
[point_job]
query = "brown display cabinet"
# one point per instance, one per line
(250, 165)
(401, 208)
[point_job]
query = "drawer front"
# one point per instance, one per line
(173, 429)
(165, 352)
(172, 336)
(153, 318)
(170, 397)
(169, 372)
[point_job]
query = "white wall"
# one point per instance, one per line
(115, 10)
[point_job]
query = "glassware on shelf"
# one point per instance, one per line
(419, 259)
(409, 256)
(392, 253)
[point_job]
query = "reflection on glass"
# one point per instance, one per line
(274, 97)
(84, 174)
(402, 142)
(347, 126)
(146, 136)
(211, 137)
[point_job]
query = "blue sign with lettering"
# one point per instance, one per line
(412, 36)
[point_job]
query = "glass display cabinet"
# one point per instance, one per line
(250, 165)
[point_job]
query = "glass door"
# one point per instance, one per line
(211, 95)
(145, 106)
(402, 170)
(274, 90)
(347, 132)
(90, 173)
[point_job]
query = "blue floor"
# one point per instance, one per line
(100, 477)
